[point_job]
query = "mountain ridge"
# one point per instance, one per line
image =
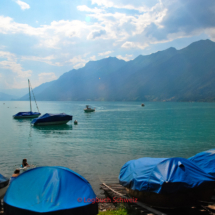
(187, 74)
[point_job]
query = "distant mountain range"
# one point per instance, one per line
(170, 75)
(7, 97)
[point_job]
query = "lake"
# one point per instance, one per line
(104, 140)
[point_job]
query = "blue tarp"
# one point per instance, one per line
(3, 179)
(163, 175)
(27, 113)
(49, 117)
(206, 161)
(49, 189)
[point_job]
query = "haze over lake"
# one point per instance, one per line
(104, 140)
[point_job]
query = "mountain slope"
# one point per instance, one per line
(6, 97)
(170, 75)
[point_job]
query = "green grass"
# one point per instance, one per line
(121, 211)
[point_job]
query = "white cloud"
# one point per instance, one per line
(130, 45)
(48, 59)
(93, 58)
(105, 53)
(11, 64)
(79, 65)
(120, 5)
(23, 5)
(16, 68)
(46, 77)
(109, 26)
(78, 62)
(84, 8)
(126, 58)
(2, 47)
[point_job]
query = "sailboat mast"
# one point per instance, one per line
(29, 95)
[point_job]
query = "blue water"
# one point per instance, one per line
(104, 140)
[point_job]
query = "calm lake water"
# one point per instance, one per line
(104, 140)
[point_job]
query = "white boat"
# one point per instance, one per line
(29, 114)
(88, 109)
(4, 183)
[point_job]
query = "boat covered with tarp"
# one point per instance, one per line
(206, 161)
(166, 182)
(52, 119)
(4, 182)
(50, 190)
(29, 114)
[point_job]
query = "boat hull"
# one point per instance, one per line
(3, 191)
(89, 110)
(26, 117)
(175, 200)
(51, 123)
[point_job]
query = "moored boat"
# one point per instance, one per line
(52, 119)
(4, 183)
(24, 115)
(206, 161)
(50, 190)
(30, 114)
(89, 109)
(166, 182)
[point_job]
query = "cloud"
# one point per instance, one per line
(84, 8)
(48, 59)
(11, 64)
(16, 68)
(78, 62)
(126, 58)
(122, 4)
(95, 34)
(93, 58)
(130, 45)
(183, 19)
(46, 77)
(105, 53)
(23, 5)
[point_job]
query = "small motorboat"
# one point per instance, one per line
(52, 119)
(4, 183)
(30, 114)
(89, 109)
(206, 161)
(166, 182)
(52, 190)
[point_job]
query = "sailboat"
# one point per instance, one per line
(30, 114)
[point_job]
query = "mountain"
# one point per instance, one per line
(170, 75)
(37, 90)
(17, 93)
(6, 97)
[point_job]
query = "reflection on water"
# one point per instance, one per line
(53, 127)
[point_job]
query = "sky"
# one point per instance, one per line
(42, 39)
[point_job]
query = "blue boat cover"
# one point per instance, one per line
(163, 175)
(2, 178)
(206, 161)
(27, 113)
(49, 117)
(50, 189)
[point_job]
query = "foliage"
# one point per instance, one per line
(121, 211)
